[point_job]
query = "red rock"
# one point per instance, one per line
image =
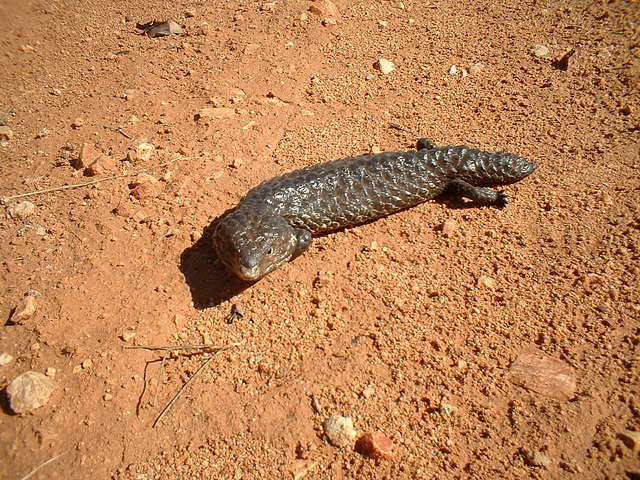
(102, 164)
(88, 154)
(375, 445)
(24, 310)
(325, 8)
(546, 375)
(146, 190)
(180, 321)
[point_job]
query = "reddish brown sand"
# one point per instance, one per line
(405, 330)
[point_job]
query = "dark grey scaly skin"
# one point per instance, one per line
(274, 222)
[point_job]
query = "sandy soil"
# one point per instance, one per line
(403, 329)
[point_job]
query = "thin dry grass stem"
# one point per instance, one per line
(30, 474)
(93, 182)
(177, 395)
(213, 349)
(169, 348)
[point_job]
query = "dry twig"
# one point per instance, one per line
(30, 474)
(214, 349)
(92, 182)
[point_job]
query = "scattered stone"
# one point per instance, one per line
(215, 112)
(88, 155)
(631, 439)
(5, 359)
(251, 48)
(574, 59)
(128, 336)
(77, 123)
(6, 134)
(453, 70)
(446, 409)
(189, 13)
(534, 458)
(539, 51)
(237, 163)
(370, 77)
(146, 190)
(546, 375)
(300, 468)
(329, 22)
(24, 310)
(103, 163)
(195, 236)
(87, 364)
(21, 210)
(141, 153)
(384, 66)
(382, 23)
(108, 397)
(180, 322)
(449, 227)
(486, 281)
(339, 430)
(475, 68)
(50, 372)
(375, 445)
(160, 29)
(29, 391)
(367, 393)
(144, 178)
(43, 133)
(325, 8)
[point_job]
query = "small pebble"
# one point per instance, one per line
(141, 153)
(453, 70)
(88, 154)
(21, 210)
(5, 359)
(108, 397)
(180, 321)
(146, 191)
(6, 134)
(486, 282)
(546, 375)
(237, 163)
(301, 467)
(325, 8)
(77, 123)
(339, 430)
(631, 439)
(102, 164)
(539, 51)
(86, 364)
(449, 227)
(384, 66)
(29, 391)
(368, 392)
(128, 336)
(375, 445)
(534, 458)
(215, 113)
(50, 372)
(24, 310)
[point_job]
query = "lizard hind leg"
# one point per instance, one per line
(484, 196)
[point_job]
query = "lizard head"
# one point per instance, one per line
(254, 241)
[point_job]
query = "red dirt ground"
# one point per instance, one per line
(405, 330)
